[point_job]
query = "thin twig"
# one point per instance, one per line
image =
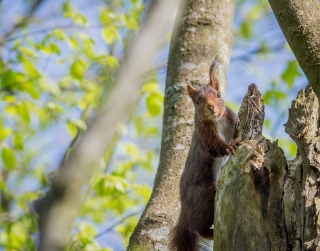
(22, 22)
(109, 229)
(52, 28)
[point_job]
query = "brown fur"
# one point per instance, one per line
(213, 138)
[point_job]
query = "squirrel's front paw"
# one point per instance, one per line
(232, 147)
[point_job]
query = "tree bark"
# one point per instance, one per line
(201, 37)
(264, 202)
(300, 23)
(248, 204)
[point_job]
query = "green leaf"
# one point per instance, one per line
(30, 88)
(11, 110)
(107, 16)
(132, 22)
(31, 69)
(46, 49)
(23, 112)
(88, 48)
(110, 33)
(50, 87)
(55, 48)
(9, 99)
(272, 95)
(246, 30)
(72, 129)
(74, 43)
(289, 147)
(154, 104)
(18, 142)
(80, 124)
(66, 7)
(77, 18)
(18, 236)
(267, 123)
(9, 77)
(28, 52)
(78, 69)
(5, 132)
(112, 61)
(132, 149)
(87, 232)
(291, 72)
(150, 87)
(9, 158)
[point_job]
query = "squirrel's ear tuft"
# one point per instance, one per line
(213, 69)
(191, 90)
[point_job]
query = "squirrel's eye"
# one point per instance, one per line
(197, 102)
(218, 95)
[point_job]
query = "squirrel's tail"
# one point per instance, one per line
(182, 238)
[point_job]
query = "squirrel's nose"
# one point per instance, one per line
(211, 108)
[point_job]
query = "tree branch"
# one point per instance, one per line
(22, 22)
(300, 23)
(116, 224)
(57, 209)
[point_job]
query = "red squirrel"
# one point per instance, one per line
(212, 142)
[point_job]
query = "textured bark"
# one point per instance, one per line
(248, 213)
(264, 202)
(301, 198)
(205, 33)
(300, 23)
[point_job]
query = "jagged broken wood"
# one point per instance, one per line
(265, 202)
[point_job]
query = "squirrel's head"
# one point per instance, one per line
(207, 100)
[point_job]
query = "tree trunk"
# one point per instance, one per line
(264, 202)
(199, 39)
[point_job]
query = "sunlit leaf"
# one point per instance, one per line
(154, 104)
(18, 142)
(291, 72)
(55, 48)
(31, 69)
(246, 30)
(107, 16)
(273, 95)
(9, 158)
(151, 87)
(80, 124)
(5, 132)
(11, 110)
(132, 149)
(72, 129)
(78, 69)
(112, 61)
(23, 112)
(30, 88)
(110, 33)
(28, 51)
(132, 22)
(87, 231)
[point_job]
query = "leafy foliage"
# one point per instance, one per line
(55, 78)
